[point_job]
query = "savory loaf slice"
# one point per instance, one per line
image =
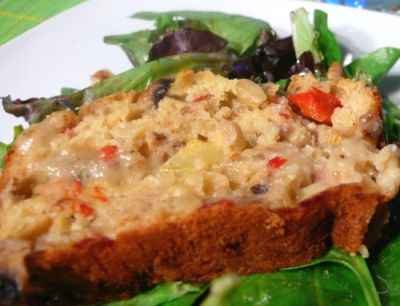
(190, 179)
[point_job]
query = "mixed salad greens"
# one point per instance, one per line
(244, 47)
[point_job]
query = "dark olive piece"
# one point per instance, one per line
(161, 90)
(259, 189)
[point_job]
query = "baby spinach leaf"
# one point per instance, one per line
(315, 286)
(358, 266)
(240, 32)
(304, 36)
(335, 279)
(36, 109)
(386, 271)
(326, 39)
(136, 45)
(375, 65)
(165, 294)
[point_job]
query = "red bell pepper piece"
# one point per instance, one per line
(108, 153)
(276, 162)
(315, 104)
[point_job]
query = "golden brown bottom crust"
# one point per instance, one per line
(216, 239)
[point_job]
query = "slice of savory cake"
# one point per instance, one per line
(192, 178)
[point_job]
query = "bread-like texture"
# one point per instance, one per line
(222, 238)
(218, 176)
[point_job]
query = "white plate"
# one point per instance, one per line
(67, 49)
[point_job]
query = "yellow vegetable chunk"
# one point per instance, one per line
(196, 155)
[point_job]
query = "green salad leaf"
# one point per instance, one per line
(326, 39)
(18, 129)
(3, 152)
(166, 23)
(66, 91)
(386, 269)
(36, 109)
(327, 285)
(171, 294)
(282, 84)
(374, 65)
(240, 32)
(136, 45)
(304, 36)
(358, 266)
(335, 279)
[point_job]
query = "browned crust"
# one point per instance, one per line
(214, 240)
